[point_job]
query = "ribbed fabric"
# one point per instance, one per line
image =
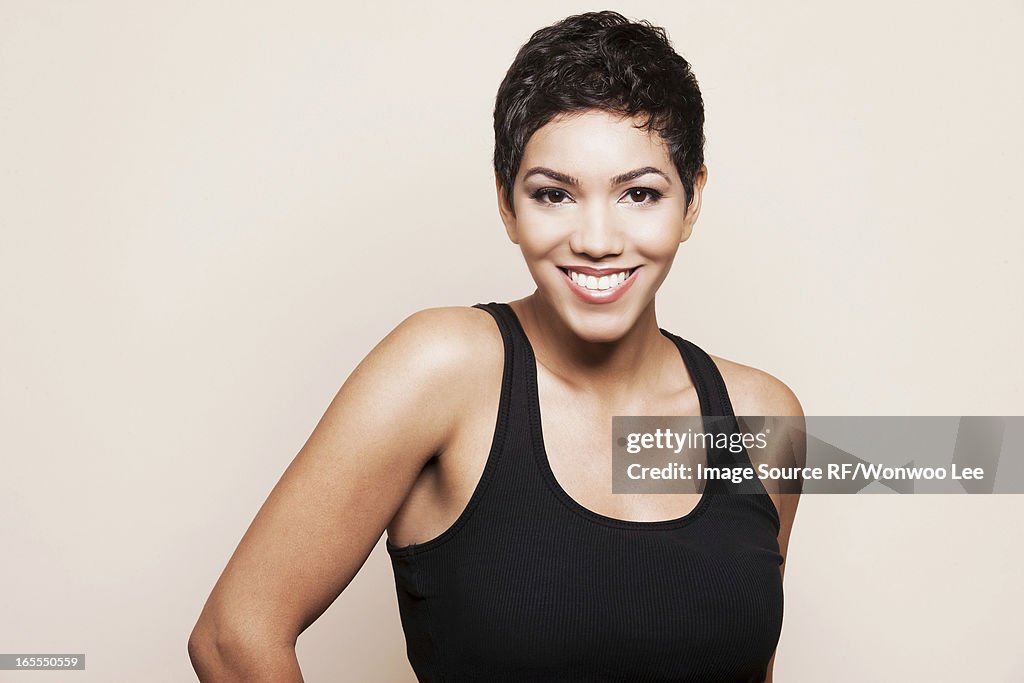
(529, 585)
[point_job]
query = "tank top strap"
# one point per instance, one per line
(719, 418)
(516, 477)
(707, 380)
(516, 348)
(505, 323)
(504, 326)
(715, 405)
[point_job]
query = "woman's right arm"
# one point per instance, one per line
(334, 501)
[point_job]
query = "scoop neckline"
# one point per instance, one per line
(541, 454)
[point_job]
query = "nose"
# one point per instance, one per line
(597, 234)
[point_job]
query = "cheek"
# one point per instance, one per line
(658, 241)
(539, 238)
(537, 249)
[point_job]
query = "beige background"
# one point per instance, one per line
(210, 211)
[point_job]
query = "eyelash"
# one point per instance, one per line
(543, 193)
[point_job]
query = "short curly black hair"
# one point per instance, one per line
(600, 60)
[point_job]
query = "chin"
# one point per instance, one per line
(600, 326)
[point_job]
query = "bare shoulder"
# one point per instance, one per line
(756, 392)
(449, 338)
(447, 350)
(426, 371)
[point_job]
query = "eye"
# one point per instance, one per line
(641, 195)
(551, 195)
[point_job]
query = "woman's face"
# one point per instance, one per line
(599, 214)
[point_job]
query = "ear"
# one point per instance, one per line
(508, 214)
(693, 210)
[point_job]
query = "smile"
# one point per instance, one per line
(594, 285)
(603, 282)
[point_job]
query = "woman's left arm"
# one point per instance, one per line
(786, 504)
(756, 393)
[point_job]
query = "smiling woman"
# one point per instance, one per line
(480, 437)
(599, 197)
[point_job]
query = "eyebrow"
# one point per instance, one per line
(617, 180)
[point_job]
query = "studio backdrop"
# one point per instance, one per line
(211, 211)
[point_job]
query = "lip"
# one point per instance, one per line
(599, 296)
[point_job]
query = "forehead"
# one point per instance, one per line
(596, 144)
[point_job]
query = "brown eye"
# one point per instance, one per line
(640, 195)
(551, 195)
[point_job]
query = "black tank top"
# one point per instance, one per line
(530, 585)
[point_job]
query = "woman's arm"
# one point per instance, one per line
(756, 393)
(786, 504)
(787, 405)
(328, 511)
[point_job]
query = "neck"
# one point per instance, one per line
(636, 358)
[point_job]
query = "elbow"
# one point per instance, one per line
(215, 656)
(221, 655)
(205, 653)
(201, 654)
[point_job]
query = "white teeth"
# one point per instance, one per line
(599, 283)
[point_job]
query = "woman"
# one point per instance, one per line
(479, 437)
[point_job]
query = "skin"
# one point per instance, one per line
(403, 444)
